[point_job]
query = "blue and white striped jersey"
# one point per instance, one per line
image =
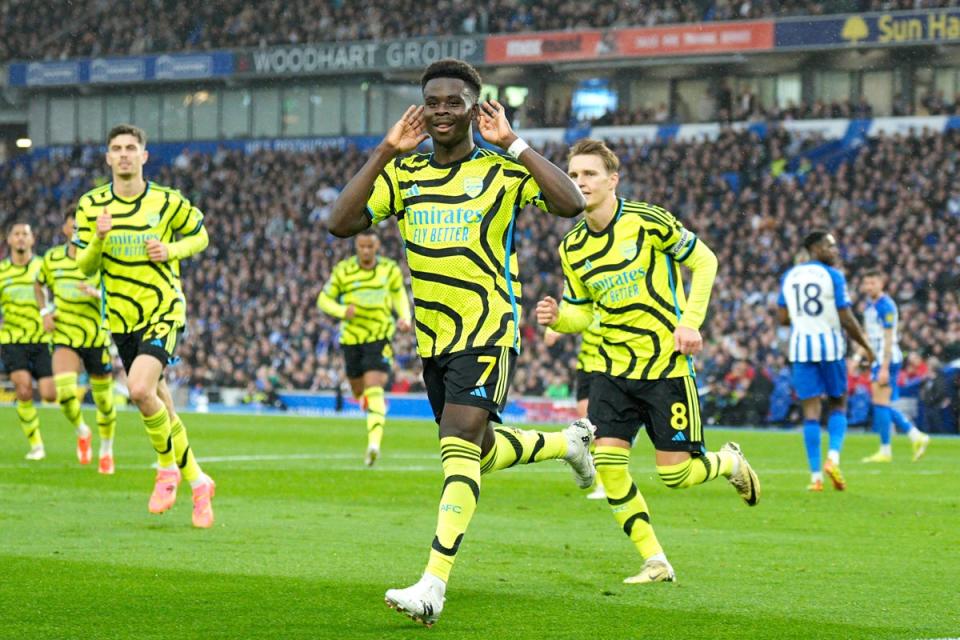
(814, 293)
(882, 314)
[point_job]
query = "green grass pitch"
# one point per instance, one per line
(307, 540)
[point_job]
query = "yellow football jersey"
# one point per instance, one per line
(375, 293)
(22, 323)
(138, 292)
(630, 273)
(79, 317)
(457, 223)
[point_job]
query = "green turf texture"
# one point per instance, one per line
(307, 540)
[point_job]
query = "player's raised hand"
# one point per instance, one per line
(403, 325)
(493, 124)
(157, 251)
(408, 132)
(350, 312)
(104, 223)
(547, 311)
(687, 341)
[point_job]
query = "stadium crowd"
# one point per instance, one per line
(717, 106)
(725, 104)
(94, 28)
(252, 316)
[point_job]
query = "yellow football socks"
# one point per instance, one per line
(184, 454)
(629, 507)
(518, 446)
(458, 501)
(29, 422)
(697, 470)
(106, 413)
(67, 397)
(158, 429)
(376, 415)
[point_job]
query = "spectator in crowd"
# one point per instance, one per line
(746, 108)
(93, 28)
(939, 399)
(915, 370)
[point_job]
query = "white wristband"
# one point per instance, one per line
(47, 310)
(517, 147)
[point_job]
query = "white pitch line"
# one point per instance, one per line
(310, 456)
(386, 466)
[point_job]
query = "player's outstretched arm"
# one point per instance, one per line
(401, 304)
(562, 196)
(702, 263)
(348, 215)
(849, 323)
(330, 306)
(565, 318)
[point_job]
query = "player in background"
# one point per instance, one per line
(455, 210)
(24, 346)
(70, 302)
(622, 261)
(881, 320)
(364, 291)
(813, 301)
(587, 367)
(127, 230)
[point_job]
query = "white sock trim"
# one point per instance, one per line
(201, 480)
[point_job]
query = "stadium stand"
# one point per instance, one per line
(93, 28)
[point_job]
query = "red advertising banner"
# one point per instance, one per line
(695, 38)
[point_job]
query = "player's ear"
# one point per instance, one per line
(614, 180)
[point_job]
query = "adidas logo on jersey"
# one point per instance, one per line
(679, 437)
(412, 191)
(479, 392)
(588, 265)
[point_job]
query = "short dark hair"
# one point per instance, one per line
(128, 129)
(453, 68)
(873, 272)
(69, 213)
(369, 231)
(814, 237)
(17, 221)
